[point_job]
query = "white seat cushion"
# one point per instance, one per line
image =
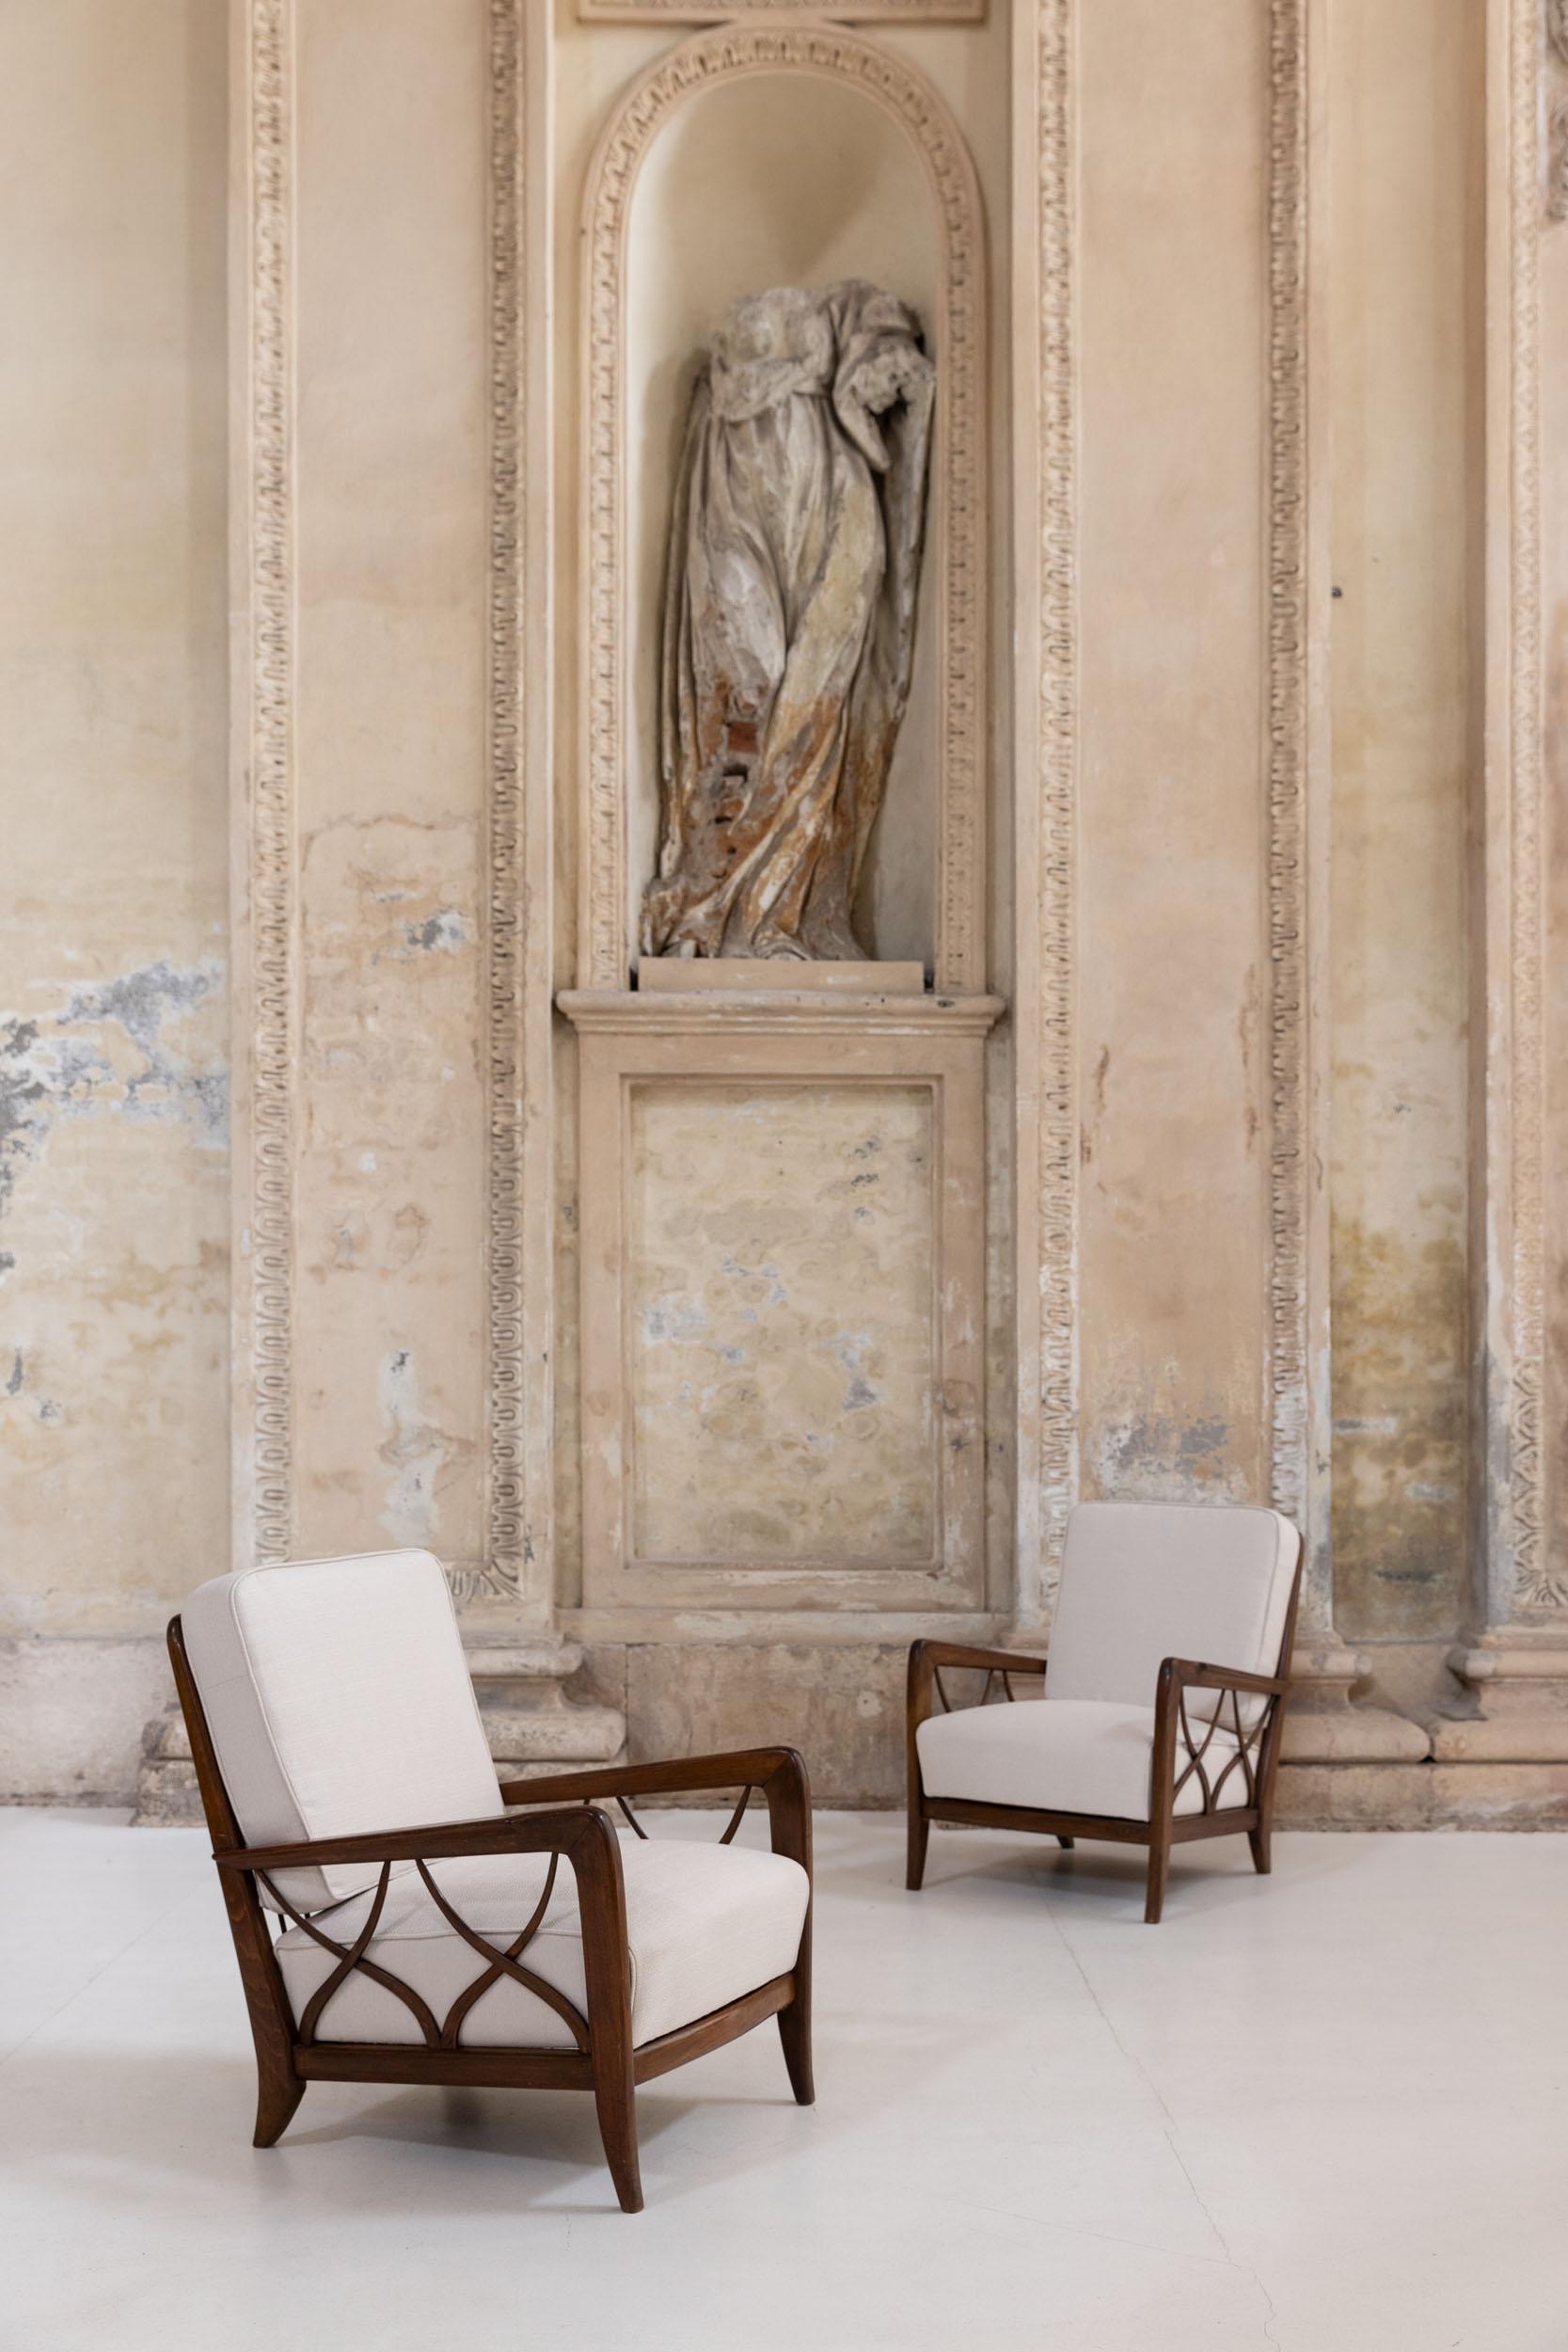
(1062, 1756)
(339, 1701)
(705, 1922)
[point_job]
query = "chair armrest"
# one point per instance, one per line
(779, 1773)
(1188, 1674)
(926, 1659)
(989, 1661)
(569, 1831)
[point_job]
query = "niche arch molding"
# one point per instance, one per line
(958, 474)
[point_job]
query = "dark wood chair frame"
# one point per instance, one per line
(1177, 1740)
(579, 1831)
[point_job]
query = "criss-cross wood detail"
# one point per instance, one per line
(502, 1964)
(349, 1958)
(442, 2036)
(1242, 1757)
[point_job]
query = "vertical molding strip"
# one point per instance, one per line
(1056, 783)
(268, 1215)
(1533, 1586)
(1287, 1346)
(505, 881)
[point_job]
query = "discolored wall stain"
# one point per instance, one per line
(1399, 1434)
(419, 1455)
(1161, 1456)
(114, 1049)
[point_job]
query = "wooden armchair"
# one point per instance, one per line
(350, 1795)
(1133, 1740)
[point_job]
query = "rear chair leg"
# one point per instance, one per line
(920, 1830)
(1258, 1840)
(1067, 1844)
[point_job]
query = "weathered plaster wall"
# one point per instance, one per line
(1406, 421)
(113, 1291)
(1147, 464)
(390, 324)
(783, 1334)
(1173, 1194)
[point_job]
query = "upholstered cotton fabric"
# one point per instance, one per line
(705, 1922)
(1062, 1756)
(340, 1702)
(1143, 1582)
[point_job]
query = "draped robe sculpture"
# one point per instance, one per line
(788, 620)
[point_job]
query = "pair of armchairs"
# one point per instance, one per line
(448, 1945)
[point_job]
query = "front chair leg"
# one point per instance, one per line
(615, 2097)
(795, 2033)
(1258, 1840)
(277, 2099)
(1159, 1866)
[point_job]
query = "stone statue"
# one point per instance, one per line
(788, 620)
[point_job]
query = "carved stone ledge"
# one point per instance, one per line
(1324, 1726)
(529, 1722)
(797, 1012)
(1519, 1678)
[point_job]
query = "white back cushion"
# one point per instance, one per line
(339, 1701)
(1143, 1582)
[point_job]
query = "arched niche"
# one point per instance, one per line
(746, 158)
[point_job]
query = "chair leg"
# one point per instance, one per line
(1159, 1866)
(1262, 1861)
(795, 2033)
(1067, 1844)
(276, 2098)
(615, 2096)
(920, 1831)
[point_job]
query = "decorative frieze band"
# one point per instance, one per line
(267, 1216)
(1535, 1585)
(506, 891)
(1287, 658)
(1056, 782)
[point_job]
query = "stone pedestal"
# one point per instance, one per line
(1506, 1762)
(533, 1727)
(531, 1723)
(1344, 1764)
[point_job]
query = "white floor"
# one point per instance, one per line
(1328, 2112)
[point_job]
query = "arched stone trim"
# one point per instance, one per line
(959, 469)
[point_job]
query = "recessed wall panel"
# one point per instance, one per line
(782, 1343)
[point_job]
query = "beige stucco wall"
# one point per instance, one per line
(114, 1218)
(118, 797)
(1406, 420)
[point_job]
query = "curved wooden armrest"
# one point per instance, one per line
(927, 1658)
(1011, 1661)
(779, 1773)
(571, 1832)
(1189, 1674)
